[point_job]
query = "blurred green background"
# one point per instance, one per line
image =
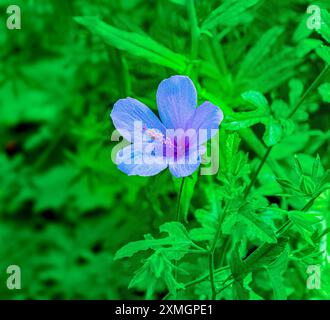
(65, 209)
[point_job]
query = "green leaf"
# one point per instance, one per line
(241, 120)
(324, 91)
(247, 222)
(256, 98)
(296, 90)
(134, 43)
(324, 53)
(325, 25)
(230, 13)
(177, 242)
(275, 272)
(157, 267)
(237, 266)
(266, 254)
(303, 220)
(262, 230)
(273, 133)
(259, 51)
(208, 218)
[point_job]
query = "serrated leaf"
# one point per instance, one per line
(247, 222)
(275, 271)
(157, 267)
(177, 242)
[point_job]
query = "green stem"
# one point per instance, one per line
(177, 218)
(263, 160)
(212, 250)
(178, 205)
(211, 270)
(197, 281)
(194, 32)
(313, 86)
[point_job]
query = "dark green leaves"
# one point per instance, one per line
(159, 266)
(134, 43)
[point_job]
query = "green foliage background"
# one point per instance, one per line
(65, 209)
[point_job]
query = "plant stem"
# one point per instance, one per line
(197, 281)
(211, 270)
(195, 34)
(212, 250)
(177, 218)
(263, 160)
(178, 205)
(314, 85)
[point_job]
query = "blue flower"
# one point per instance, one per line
(177, 141)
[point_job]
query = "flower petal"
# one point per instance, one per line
(127, 111)
(207, 117)
(183, 167)
(183, 170)
(142, 160)
(176, 101)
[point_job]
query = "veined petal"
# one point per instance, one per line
(128, 111)
(176, 101)
(183, 167)
(183, 170)
(206, 121)
(141, 159)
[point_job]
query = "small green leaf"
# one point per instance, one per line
(256, 98)
(273, 133)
